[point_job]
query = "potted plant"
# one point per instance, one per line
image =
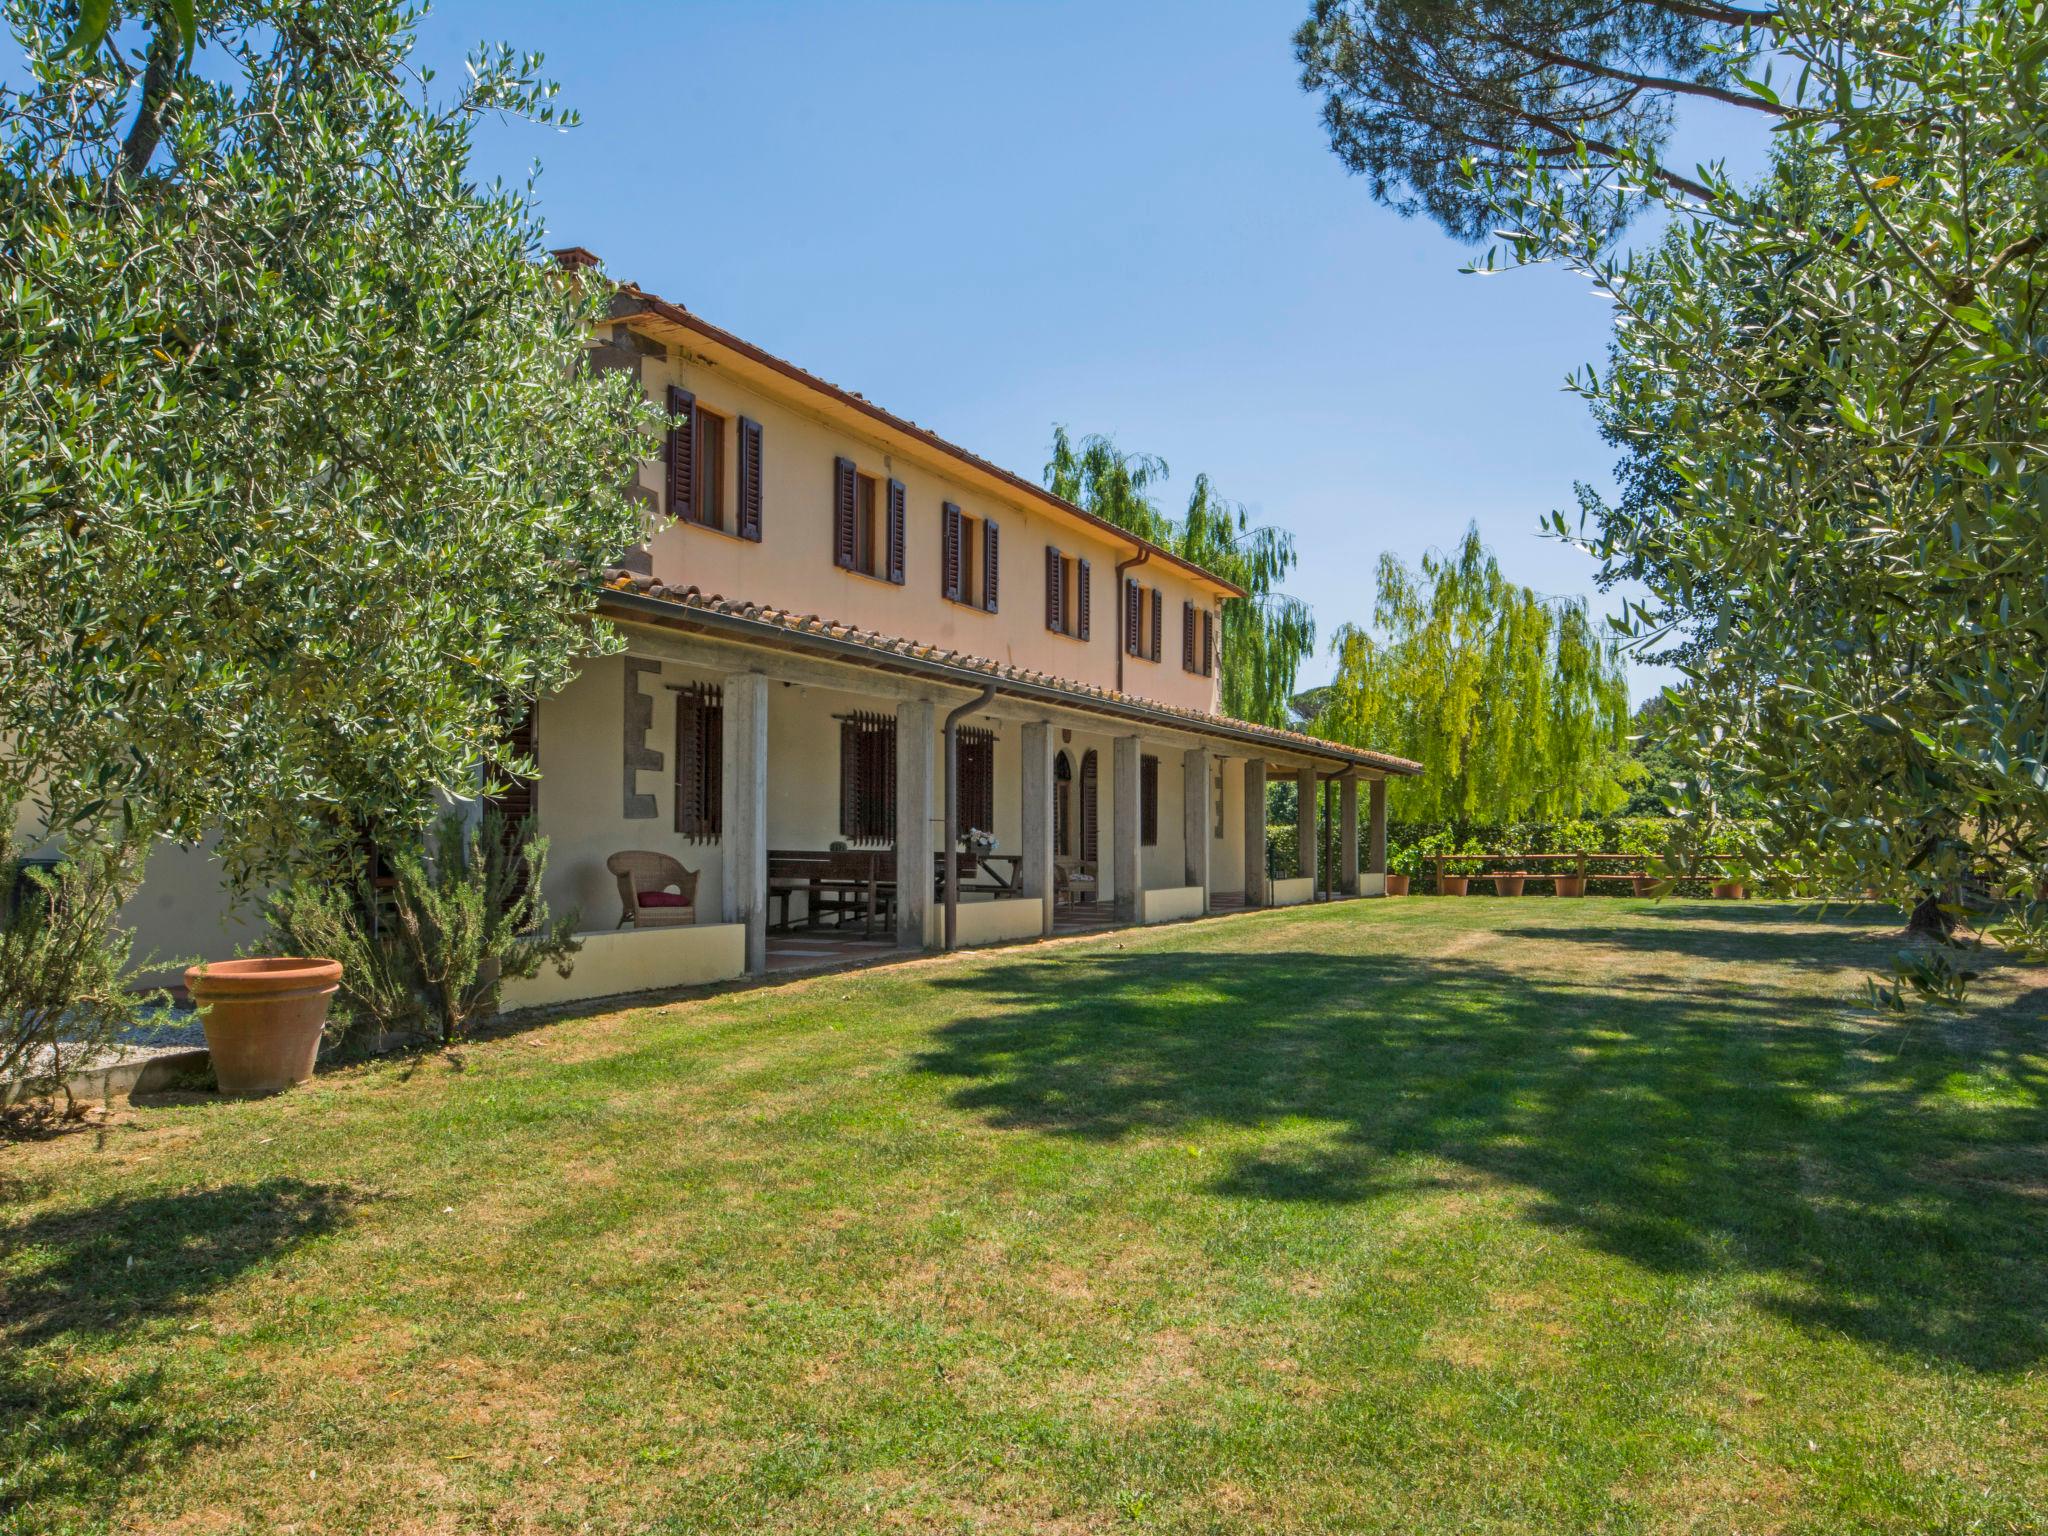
(1577, 836)
(1724, 858)
(1404, 863)
(1508, 882)
(263, 1019)
(1459, 869)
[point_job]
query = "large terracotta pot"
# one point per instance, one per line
(1453, 885)
(1728, 890)
(1508, 885)
(1571, 885)
(263, 1019)
(1645, 885)
(1397, 885)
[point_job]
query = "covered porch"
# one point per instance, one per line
(801, 798)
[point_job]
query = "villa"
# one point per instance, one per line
(826, 594)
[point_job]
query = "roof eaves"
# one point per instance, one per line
(675, 314)
(633, 596)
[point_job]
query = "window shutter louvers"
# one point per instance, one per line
(680, 449)
(990, 565)
(950, 573)
(896, 532)
(1081, 599)
(1148, 801)
(1208, 643)
(1158, 618)
(1055, 599)
(1131, 617)
(747, 519)
(1188, 658)
(1090, 830)
(844, 551)
(700, 727)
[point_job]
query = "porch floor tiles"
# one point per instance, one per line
(823, 948)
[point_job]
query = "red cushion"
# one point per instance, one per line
(663, 899)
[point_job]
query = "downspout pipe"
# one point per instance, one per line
(1123, 618)
(974, 705)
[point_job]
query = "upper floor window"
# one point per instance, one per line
(969, 566)
(714, 477)
(1197, 640)
(867, 523)
(1066, 594)
(1141, 635)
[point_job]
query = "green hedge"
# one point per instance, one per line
(1644, 835)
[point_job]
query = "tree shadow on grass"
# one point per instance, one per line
(79, 1280)
(1686, 1129)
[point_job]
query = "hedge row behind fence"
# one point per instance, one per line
(1645, 835)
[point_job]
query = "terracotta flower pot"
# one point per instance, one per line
(1728, 890)
(1397, 885)
(1571, 885)
(1645, 885)
(1453, 885)
(1508, 885)
(263, 1019)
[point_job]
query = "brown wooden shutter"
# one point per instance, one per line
(1055, 604)
(951, 576)
(1081, 599)
(1148, 801)
(680, 450)
(1188, 659)
(700, 729)
(844, 551)
(849, 778)
(1208, 643)
(990, 565)
(747, 521)
(1090, 830)
(1158, 619)
(897, 503)
(520, 799)
(977, 785)
(1131, 617)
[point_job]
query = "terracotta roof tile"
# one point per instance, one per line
(693, 599)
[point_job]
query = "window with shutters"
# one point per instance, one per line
(1190, 643)
(969, 559)
(1066, 580)
(1062, 805)
(1090, 839)
(1142, 620)
(1148, 801)
(696, 452)
(1208, 642)
(977, 779)
(867, 777)
(700, 730)
(519, 798)
(867, 523)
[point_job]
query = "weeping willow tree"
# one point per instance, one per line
(1266, 634)
(1508, 700)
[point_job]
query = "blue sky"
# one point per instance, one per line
(1120, 214)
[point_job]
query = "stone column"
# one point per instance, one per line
(1035, 875)
(1376, 827)
(1194, 819)
(917, 818)
(1305, 820)
(743, 809)
(1347, 834)
(1123, 827)
(1255, 892)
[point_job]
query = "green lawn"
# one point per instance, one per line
(1422, 1216)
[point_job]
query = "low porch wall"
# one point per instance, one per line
(629, 960)
(1170, 904)
(1292, 893)
(1371, 885)
(996, 922)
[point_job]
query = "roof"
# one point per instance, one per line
(633, 596)
(631, 302)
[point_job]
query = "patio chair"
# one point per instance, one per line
(1072, 881)
(655, 891)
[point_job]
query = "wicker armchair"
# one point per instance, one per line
(1072, 881)
(655, 891)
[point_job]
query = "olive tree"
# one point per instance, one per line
(305, 482)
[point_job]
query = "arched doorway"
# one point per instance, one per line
(1062, 807)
